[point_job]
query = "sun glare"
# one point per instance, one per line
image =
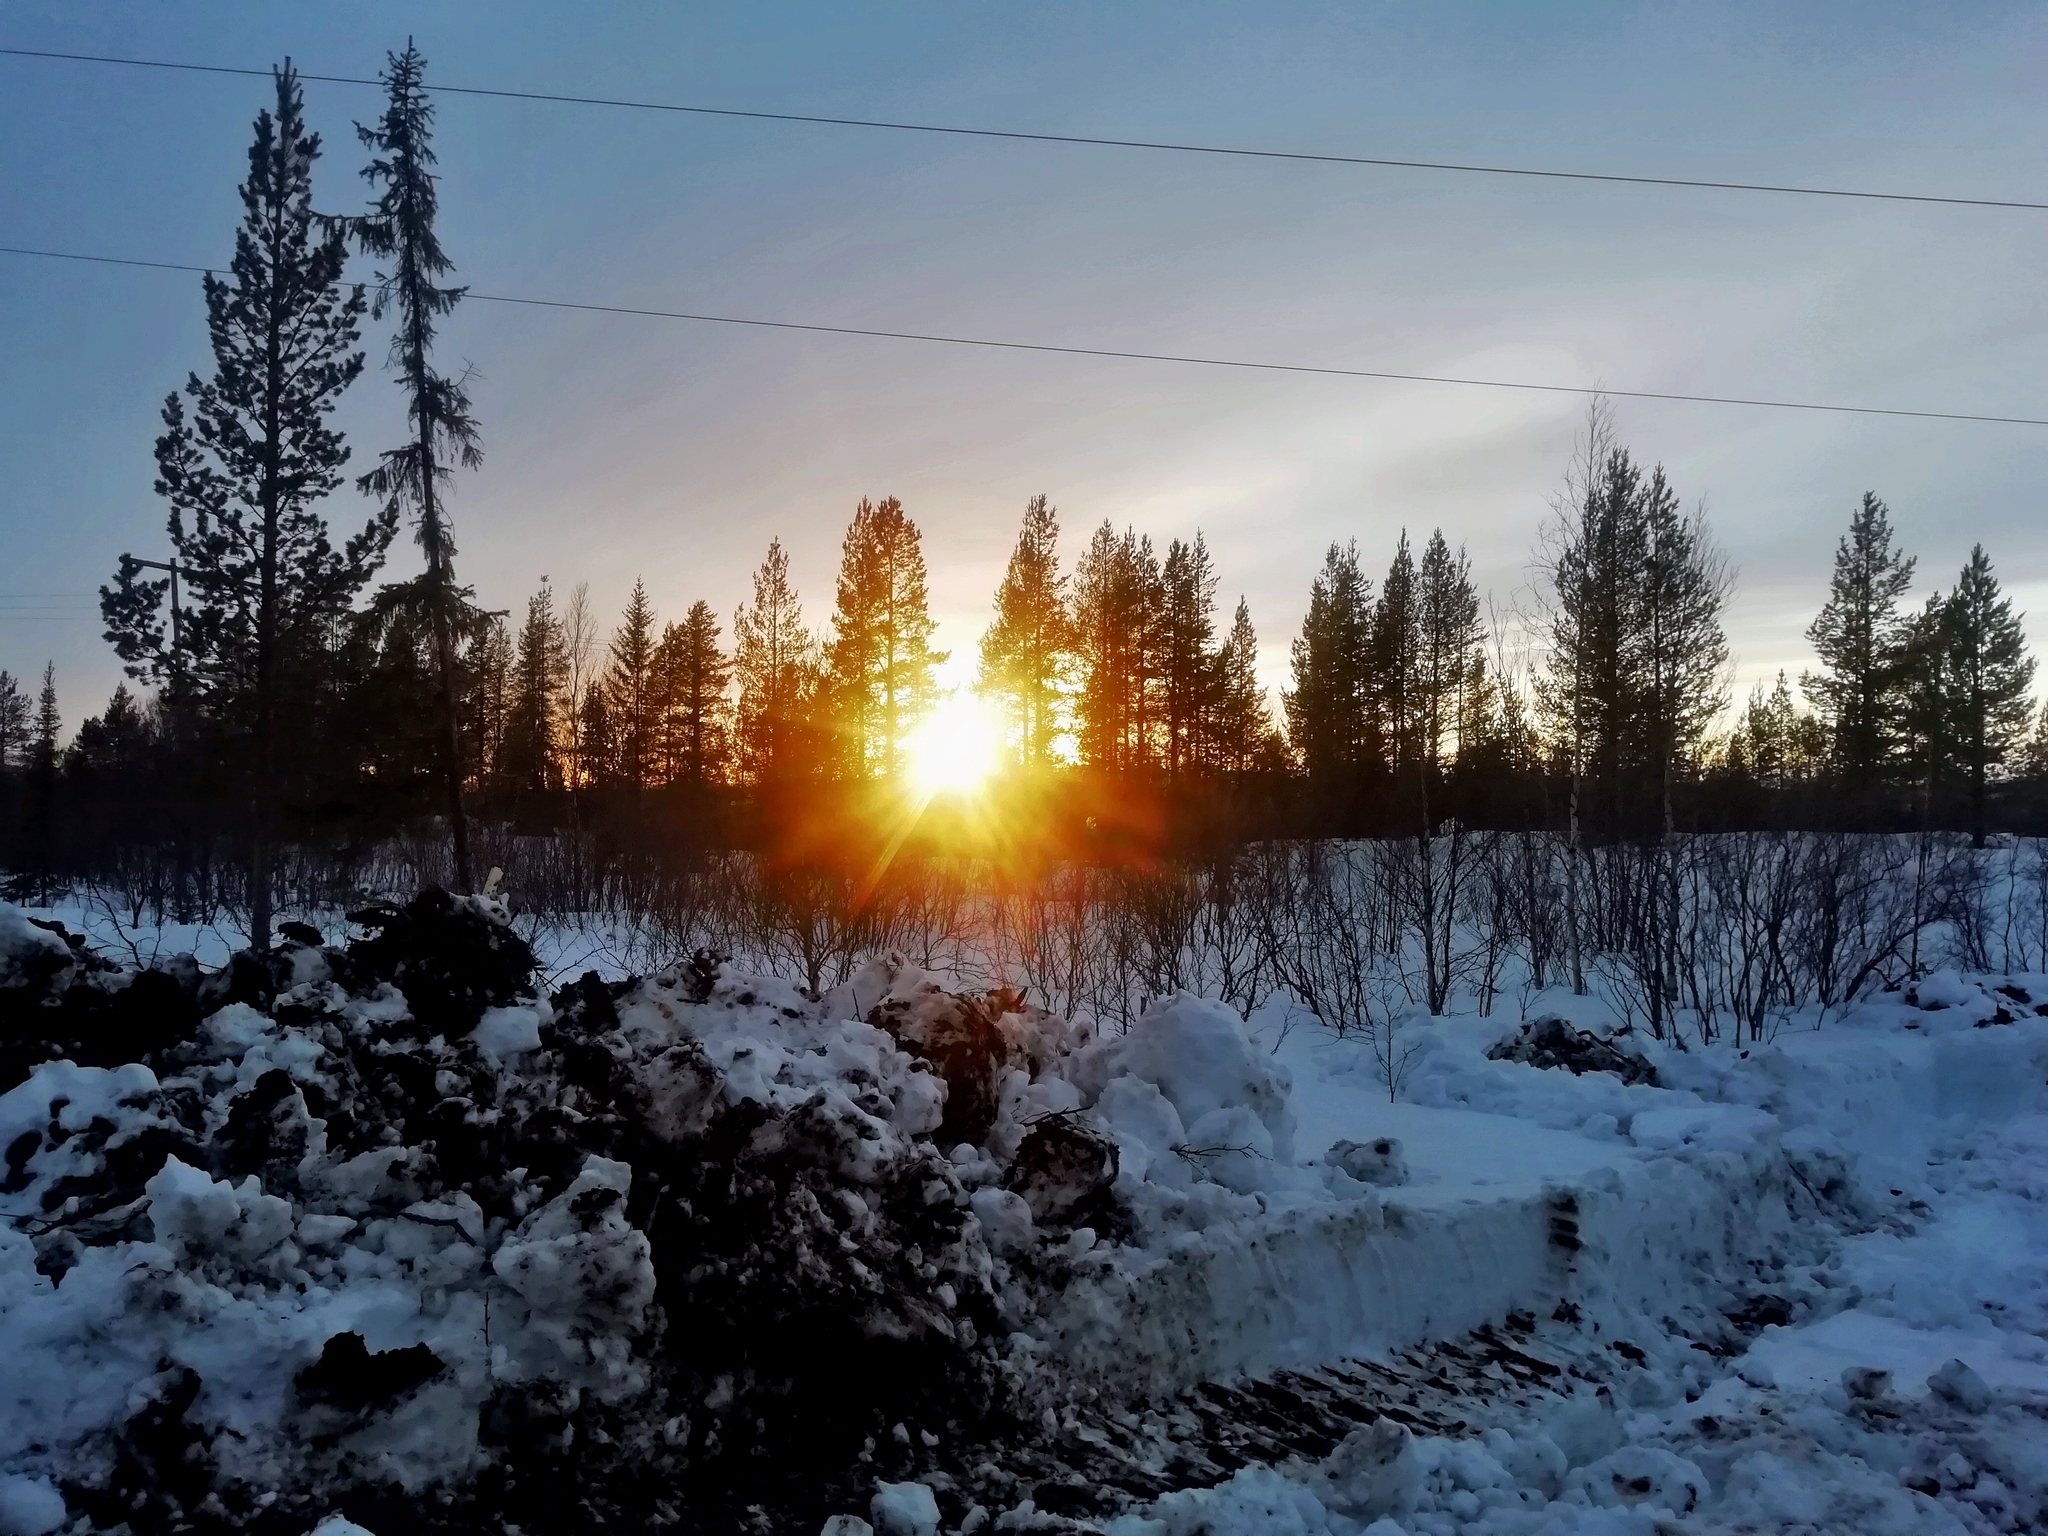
(956, 749)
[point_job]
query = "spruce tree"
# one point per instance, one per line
(1634, 673)
(14, 726)
(1239, 733)
(881, 663)
(244, 473)
(486, 676)
(1187, 660)
(1025, 652)
(1396, 642)
(1774, 743)
(400, 230)
(1988, 673)
(540, 670)
(1329, 714)
(630, 703)
(696, 676)
(2033, 759)
(774, 663)
(1587, 568)
(38, 853)
(1929, 704)
(1680, 651)
(1448, 635)
(598, 756)
(1861, 639)
(1116, 610)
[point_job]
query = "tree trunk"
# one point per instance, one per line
(441, 581)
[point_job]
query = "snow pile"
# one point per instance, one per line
(380, 1233)
(381, 1228)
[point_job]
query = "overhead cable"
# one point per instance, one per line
(1057, 349)
(1089, 140)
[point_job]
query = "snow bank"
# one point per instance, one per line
(380, 1233)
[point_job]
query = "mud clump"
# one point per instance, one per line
(1379, 1161)
(1063, 1170)
(960, 1041)
(60, 1001)
(1554, 1043)
(349, 1375)
(450, 956)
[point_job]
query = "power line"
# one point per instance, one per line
(1225, 150)
(1140, 357)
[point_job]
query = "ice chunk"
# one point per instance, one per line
(1957, 1384)
(847, 1525)
(1732, 1127)
(503, 1032)
(1005, 1219)
(32, 956)
(201, 1215)
(1866, 1384)
(1374, 1472)
(1945, 989)
(904, 1509)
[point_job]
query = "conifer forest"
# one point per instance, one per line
(301, 730)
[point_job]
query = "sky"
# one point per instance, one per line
(622, 448)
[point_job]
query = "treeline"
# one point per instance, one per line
(292, 709)
(1119, 669)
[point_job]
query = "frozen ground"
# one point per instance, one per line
(955, 1240)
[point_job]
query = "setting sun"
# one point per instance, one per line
(956, 749)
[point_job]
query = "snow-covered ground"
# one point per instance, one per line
(1879, 1181)
(1073, 1234)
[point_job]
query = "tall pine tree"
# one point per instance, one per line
(1185, 648)
(696, 675)
(1239, 736)
(1636, 653)
(774, 663)
(1025, 652)
(400, 229)
(1329, 712)
(1448, 635)
(263, 587)
(1115, 630)
(14, 726)
(881, 662)
(37, 856)
(1861, 639)
(540, 670)
(1396, 643)
(1987, 672)
(629, 689)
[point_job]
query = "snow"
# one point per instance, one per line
(1724, 1259)
(30, 1506)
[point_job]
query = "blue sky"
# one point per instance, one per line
(622, 448)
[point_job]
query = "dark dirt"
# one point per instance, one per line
(1555, 1043)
